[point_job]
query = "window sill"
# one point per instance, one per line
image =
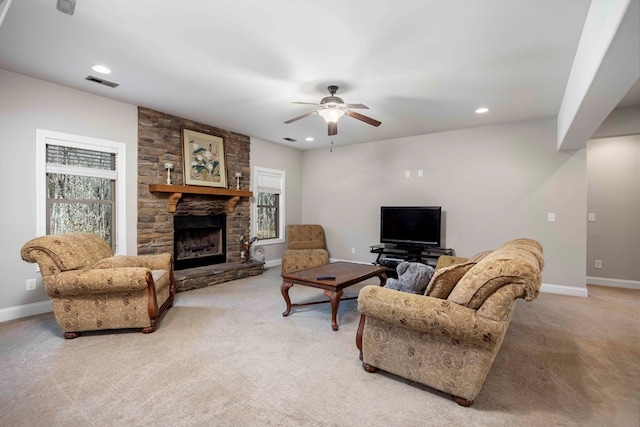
(267, 242)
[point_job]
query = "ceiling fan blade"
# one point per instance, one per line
(301, 117)
(306, 103)
(333, 128)
(361, 106)
(362, 118)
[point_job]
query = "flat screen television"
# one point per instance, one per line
(411, 226)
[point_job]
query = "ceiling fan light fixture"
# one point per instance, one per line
(331, 115)
(332, 108)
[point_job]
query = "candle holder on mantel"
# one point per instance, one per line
(168, 167)
(238, 176)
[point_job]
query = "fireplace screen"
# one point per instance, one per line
(199, 240)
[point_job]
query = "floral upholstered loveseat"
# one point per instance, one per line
(91, 289)
(448, 338)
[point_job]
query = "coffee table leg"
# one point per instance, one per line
(284, 288)
(383, 279)
(334, 297)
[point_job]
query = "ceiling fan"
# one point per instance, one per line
(333, 107)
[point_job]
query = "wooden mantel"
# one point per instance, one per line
(176, 192)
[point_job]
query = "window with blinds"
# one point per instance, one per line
(80, 190)
(269, 202)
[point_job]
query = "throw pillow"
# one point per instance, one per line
(446, 279)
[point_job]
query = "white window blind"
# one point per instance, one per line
(81, 162)
(269, 182)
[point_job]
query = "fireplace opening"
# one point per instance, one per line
(199, 240)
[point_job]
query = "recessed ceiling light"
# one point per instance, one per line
(309, 139)
(103, 69)
(482, 110)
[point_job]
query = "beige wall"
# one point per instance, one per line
(621, 122)
(28, 104)
(613, 195)
(275, 156)
(494, 183)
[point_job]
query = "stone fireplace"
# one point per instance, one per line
(215, 255)
(199, 240)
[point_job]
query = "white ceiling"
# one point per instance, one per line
(421, 66)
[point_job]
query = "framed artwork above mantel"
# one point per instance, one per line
(204, 159)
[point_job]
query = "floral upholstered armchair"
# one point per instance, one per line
(306, 248)
(449, 337)
(91, 289)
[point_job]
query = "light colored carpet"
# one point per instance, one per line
(225, 356)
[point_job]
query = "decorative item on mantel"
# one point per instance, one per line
(168, 167)
(246, 246)
(238, 176)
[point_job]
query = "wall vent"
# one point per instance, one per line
(101, 81)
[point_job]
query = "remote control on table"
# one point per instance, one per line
(326, 277)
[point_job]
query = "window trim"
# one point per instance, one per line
(43, 137)
(257, 170)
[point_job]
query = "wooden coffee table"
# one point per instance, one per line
(346, 274)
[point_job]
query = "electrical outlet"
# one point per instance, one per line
(551, 217)
(353, 250)
(420, 173)
(591, 217)
(407, 174)
(31, 284)
(598, 263)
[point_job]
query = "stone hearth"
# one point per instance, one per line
(159, 142)
(201, 277)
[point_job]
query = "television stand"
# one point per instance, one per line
(390, 255)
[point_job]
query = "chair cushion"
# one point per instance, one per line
(305, 237)
(296, 260)
(532, 246)
(71, 251)
(506, 265)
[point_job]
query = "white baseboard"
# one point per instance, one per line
(564, 290)
(273, 263)
(26, 310)
(614, 283)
